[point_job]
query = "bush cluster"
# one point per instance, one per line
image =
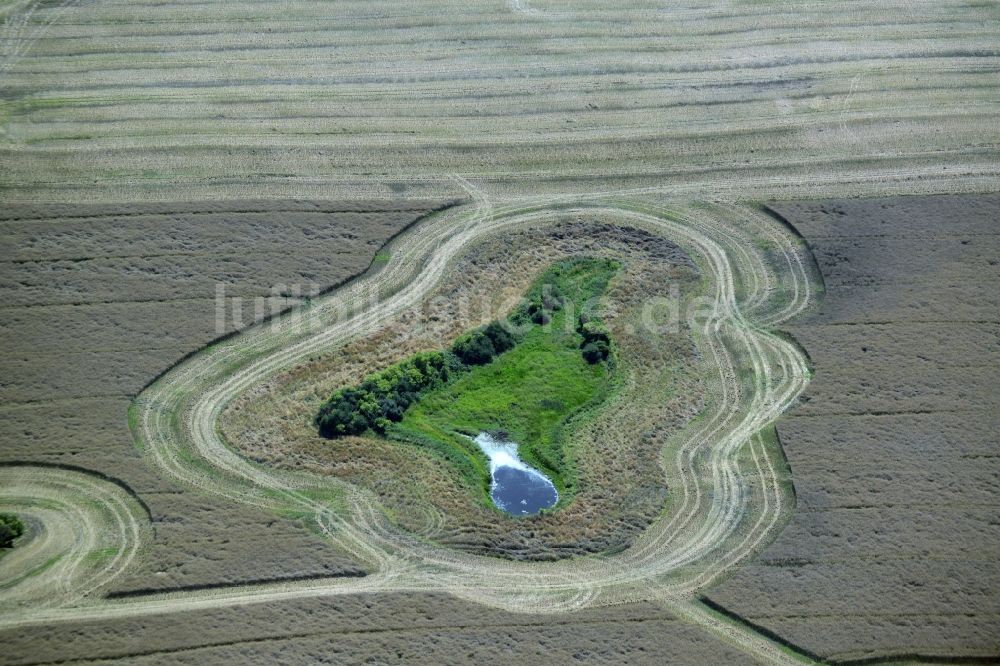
(11, 527)
(596, 340)
(481, 346)
(540, 306)
(382, 397)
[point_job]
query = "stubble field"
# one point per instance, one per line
(118, 101)
(894, 544)
(80, 349)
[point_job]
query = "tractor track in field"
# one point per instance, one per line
(726, 498)
(83, 532)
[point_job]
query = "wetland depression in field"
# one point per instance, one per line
(518, 380)
(554, 373)
(515, 487)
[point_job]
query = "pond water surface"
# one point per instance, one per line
(517, 488)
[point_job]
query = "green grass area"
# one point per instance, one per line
(100, 555)
(531, 391)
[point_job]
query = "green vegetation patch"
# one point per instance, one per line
(528, 377)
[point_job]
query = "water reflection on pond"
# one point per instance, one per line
(515, 487)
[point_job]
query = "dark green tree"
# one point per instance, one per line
(11, 527)
(382, 398)
(501, 338)
(475, 348)
(596, 351)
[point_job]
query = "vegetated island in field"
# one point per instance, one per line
(11, 527)
(521, 380)
(615, 446)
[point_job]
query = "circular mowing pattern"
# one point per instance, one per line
(82, 532)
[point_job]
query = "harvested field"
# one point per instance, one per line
(894, 544)
(169, 101)
(385, 628)
(746, 260)
(79, 348)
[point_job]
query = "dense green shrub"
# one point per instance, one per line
(596, 340)
(500, 336)
(474, 348)
(11, 527)
(596, 351)
(541, 304)
(540, 316)
(382, 397)
(481, 346)
(552, 298)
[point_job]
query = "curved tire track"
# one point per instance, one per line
(83, 531)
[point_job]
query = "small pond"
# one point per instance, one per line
(515, 487)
